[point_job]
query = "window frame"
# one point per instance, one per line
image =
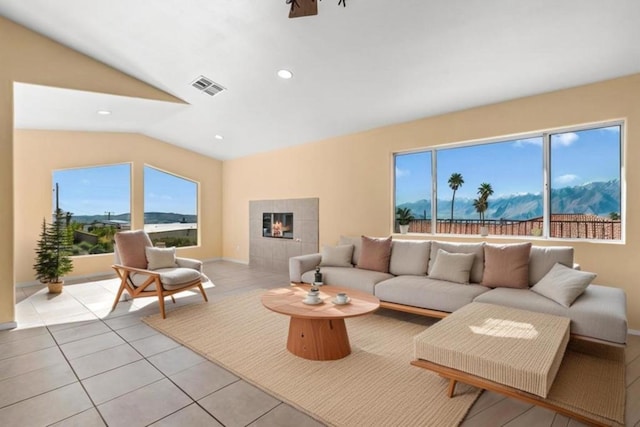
(546, 177)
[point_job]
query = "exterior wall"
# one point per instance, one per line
(352, 174)
(30, 58)
(38, 153)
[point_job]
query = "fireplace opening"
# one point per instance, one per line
(277, 224)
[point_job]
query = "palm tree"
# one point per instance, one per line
(455, 182)
(484, 191)
(481, 205)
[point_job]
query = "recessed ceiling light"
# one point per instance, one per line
(104, 112)
(219, 137)
(285, 74)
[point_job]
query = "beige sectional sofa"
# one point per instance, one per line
(598, 313)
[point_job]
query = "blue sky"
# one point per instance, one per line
(513, 167)
(97, 190)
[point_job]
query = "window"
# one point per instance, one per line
(96, 202)
(170, 208)
(499, 187)
(413, 188)
(585, 184)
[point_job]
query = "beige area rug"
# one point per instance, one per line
(375, 385)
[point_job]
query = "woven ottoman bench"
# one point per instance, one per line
(513, 352)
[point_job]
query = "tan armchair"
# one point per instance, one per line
(145, 271)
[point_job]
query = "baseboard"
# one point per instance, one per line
(70, 280)
(633, 331)
(8, 325)
(237, 261)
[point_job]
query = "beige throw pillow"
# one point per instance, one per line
(160, 257)
(506, 266)
(337, 256)
(452, 267)
(375, 254)
(130, 246)
(563, 284)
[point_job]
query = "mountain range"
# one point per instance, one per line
(149, 218)
(596, 198)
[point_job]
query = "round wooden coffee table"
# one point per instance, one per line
(318, 332)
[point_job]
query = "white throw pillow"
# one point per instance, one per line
(452, 267)
(563, 284)
(337, 256)
(160, 257)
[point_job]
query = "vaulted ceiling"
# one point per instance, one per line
(369, 64)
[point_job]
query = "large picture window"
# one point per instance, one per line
(170, 208)
(498, 187)
(96, 203)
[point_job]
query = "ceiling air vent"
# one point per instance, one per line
(207, 86)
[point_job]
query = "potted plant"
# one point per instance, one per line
(404, 217)
(53, 252)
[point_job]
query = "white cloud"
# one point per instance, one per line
(566, 179)
(565, 139)
(402, 172)
(613, 129)
(529, 141)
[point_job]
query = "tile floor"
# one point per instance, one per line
(72, 362)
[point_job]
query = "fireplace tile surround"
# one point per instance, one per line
(273, 253)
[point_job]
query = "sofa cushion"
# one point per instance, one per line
(375, 254)
(563, 284)
(337, 256)
(425, 292)
(160, 257)
(357, 246)
(600, 312)
(452, 267)
(543, 258)
(506, 265)
(409, 257)
(171, 278)
(354, 278)
(464, 248)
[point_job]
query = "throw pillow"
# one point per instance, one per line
(563, 284)
(160, 257)
(130, 248)
(337, 256)
(375, 254)
(506, 266)
(452, 267)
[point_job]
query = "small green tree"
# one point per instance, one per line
(455, 182)
(54, 248)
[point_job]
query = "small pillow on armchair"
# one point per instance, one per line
(563, 284)
(337, 256)
(375, 254)
(160, 257)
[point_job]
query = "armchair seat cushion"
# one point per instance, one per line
(171, 278)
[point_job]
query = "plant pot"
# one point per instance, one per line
(404, 229)
(484, 231)
(55, 287)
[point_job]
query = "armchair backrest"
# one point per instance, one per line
(130, 248)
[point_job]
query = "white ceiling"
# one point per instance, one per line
(373, 63)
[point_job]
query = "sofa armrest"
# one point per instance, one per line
(189, 263)
(301, 264)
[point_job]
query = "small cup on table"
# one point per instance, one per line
(342, 298)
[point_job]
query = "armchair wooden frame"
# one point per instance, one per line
(124, 273)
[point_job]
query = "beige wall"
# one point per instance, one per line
(352, 174)
(30, 58)
(39, 153)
